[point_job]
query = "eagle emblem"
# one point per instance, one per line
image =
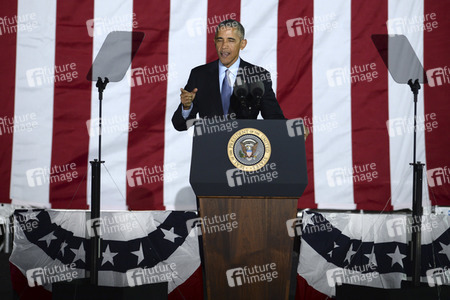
(248, 149)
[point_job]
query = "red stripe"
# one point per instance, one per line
(437, 139)
(20, 286)
(147, 107)
(306, 292)
(370, 140)
(219, 11)
(72, 104)
(7, 87)
(191, 288)
(294, 81)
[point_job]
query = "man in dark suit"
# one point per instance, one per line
(209, 91)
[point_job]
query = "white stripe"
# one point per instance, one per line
(34, 97)
(111, 15)
(261, 32)
(401, 107)
(331, 99)
(187, 39)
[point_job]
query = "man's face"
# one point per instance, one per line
(228, 44)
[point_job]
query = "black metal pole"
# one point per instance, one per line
(96, 253)
(416, 235)
(95, 214)
(417, 224)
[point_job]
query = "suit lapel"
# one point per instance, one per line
(215, 89)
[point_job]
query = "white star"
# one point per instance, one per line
(139, 254)
(445, 250)
(79, 253)
(331, 252)
(308, 220)
(63, 245)
(372, 257)
(349, 255)
(48, 238)
(108, 256)
(169, 234)
(397, 257)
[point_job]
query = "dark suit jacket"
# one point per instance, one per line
(208, 102)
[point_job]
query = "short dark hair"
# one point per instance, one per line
(232, 24)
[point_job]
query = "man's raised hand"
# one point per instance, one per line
(187, 97)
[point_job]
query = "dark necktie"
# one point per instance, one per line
(226, 92)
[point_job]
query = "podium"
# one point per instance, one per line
(248, 176)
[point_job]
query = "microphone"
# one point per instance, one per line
(240, 89)
(257, 90)
(241, 92)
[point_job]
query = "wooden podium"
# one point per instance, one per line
(246, 246)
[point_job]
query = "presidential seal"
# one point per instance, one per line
(249, 149)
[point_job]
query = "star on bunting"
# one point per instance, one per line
(350, 253)
(80, 253)
(308, 220)
(170, 235)
(48, 238)
(63, 246)
(445, 250)
(372, 257)
(108, 256)
(139, 254)
(397, 257)
(331, 252)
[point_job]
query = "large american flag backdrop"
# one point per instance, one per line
(324, 66)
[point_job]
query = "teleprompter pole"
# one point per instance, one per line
(96, 253)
